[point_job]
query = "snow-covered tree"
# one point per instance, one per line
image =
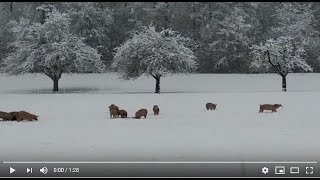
(154, 53)
(50, 48)
(296, 19)
(162, 14)
(226, 36)
(93, 21)
(281, 55)
(90, 20)
(233, 35)
(127, 18)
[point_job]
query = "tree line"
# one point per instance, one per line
(159, 38)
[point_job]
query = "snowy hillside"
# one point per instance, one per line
(75, 124)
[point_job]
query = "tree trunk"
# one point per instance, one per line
(11, 6)
(284, 83)
(194, 21)
(157, 84)
(210, 14)
(166, 19)
(55, 84)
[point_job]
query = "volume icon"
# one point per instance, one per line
(44, 170)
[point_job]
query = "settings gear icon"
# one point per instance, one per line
(265, 170)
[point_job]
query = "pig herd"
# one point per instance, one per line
(17, 116)
(116, 112)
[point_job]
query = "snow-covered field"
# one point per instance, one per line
(75, 124)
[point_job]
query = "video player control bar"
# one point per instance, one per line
(159, 169)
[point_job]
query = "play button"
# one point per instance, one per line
(12, 170)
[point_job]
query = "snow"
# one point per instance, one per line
(75, 125)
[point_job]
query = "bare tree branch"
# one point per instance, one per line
(278, 66)
(154, 76)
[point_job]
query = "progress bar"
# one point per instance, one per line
(159, 162)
